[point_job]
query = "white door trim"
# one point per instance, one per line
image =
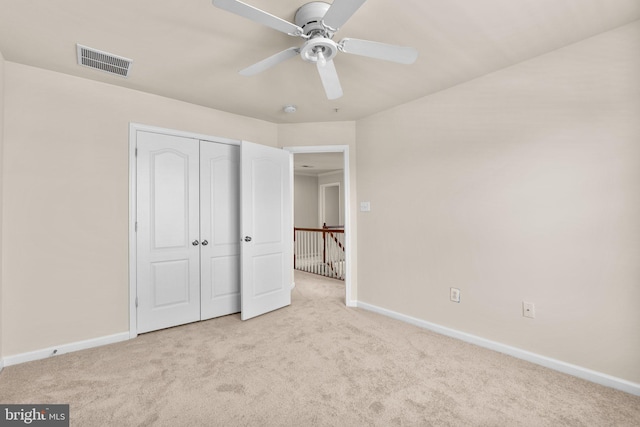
(347, 207)
(133, 131)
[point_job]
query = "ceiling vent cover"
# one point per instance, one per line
(103, 61)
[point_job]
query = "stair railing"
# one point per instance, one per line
(320, 251)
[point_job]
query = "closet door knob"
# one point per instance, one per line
(194, 243)
(247, 238)
(205, 243)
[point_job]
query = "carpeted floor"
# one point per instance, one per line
(316, 362)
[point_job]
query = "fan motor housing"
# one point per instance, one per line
(309, 18)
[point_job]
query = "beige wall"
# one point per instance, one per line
(66, 200)
(520, 185)
(306, 197)
(305, 201)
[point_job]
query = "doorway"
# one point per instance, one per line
(344, 203)
(330, 207)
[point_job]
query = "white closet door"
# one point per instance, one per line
(168, 225)
(219, 229)
(267, 229)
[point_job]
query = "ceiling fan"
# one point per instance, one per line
(316, 22)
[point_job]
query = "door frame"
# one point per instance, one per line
(344, 149)
(322, 203)
(133, 132)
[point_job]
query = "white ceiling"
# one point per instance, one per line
(192, 51)
(317, 163)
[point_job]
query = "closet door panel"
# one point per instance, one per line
(168, 273)
(219, 229)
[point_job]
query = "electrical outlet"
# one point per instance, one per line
(528, 309)
(454, 294)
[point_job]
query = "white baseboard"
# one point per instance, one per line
(557, 365)
(62, 349)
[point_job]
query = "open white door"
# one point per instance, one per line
(267, 229)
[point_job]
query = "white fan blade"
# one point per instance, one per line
(387, 52)
(330, 80)
(269, 62)
(259, 16)
(340, 12)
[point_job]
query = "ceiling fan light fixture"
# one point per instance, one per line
(321, 59)
(319, 49)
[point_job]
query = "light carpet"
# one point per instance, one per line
(316, 362)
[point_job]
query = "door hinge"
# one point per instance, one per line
(136, 302)
(136, 153)
(136, 227)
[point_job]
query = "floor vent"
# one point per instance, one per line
(103, 61)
